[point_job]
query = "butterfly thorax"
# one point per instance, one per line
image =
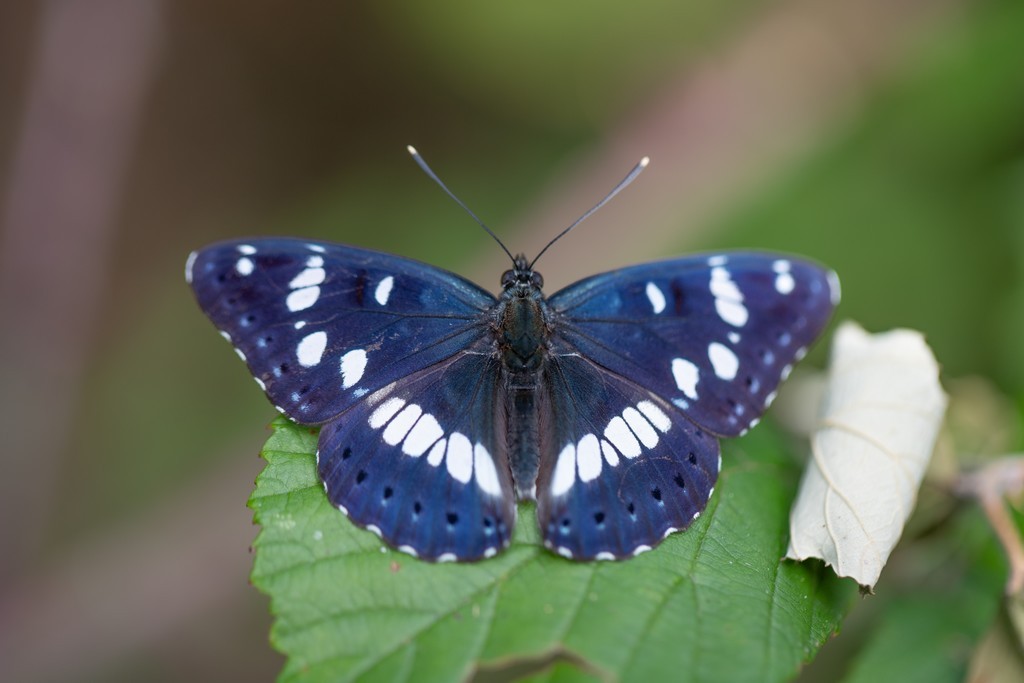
(521, 325)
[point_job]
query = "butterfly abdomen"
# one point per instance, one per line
(522, 344)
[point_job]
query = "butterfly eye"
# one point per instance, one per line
(537, 280)
(508, 278)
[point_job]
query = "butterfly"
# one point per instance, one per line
(441, 405)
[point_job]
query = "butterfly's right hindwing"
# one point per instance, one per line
(621, 468)
(323, 325)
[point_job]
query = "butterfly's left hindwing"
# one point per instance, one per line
(423, 463)
(323, 325)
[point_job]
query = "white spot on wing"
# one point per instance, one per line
(191, 261)
(401, 424)
(686, 376)
(311, 349)
(244, 266)
(353, 364)
(486, 475)
(308, 278)
(622, 437)
(315, 262)
(422, 436)
(240, 353)
(835, 291)
(446, 557)
(384, 412)
(656, 415)
(565, 471)
(784, 283)
(588, 458)
(611, 456)
(301, 299)
(260, 382)
(316, 247)
(460, 458)
(655, 296)
(718, 260)
(604, 555)
(731, 312)
(641, 427)
(437, 453)
(722, 285)
(246, 249)
(723, 360)
(383, 291)
(728, 298)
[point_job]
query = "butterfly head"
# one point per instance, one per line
(521, 279)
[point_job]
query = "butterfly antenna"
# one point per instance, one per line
(618, 188)
(433, 176)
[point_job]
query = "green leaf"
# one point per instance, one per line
(713, 603)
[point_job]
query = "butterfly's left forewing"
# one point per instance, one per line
(323, 325)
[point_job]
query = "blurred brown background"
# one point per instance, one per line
(882, 138)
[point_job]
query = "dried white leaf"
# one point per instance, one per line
(881, 413)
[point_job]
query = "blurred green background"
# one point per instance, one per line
(884, 139)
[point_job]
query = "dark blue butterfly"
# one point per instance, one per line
(440, 405)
